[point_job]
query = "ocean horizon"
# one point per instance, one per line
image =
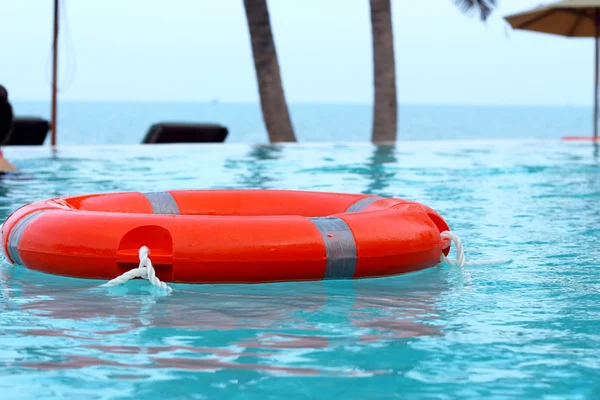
(90, 122)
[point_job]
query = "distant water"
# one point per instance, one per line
(87, 123)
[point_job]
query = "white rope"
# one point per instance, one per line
(460, 254)
(145, 270)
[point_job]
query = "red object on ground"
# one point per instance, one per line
(226, 236)
(581, 138)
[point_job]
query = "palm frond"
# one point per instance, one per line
(484, 7)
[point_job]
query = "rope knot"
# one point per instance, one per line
(145, 270)
(144, 254)
(460, 253)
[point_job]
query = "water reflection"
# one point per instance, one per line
(258, 169)
(384, 155)
(207, 327)
(5, 189)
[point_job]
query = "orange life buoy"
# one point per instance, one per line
(226, 236)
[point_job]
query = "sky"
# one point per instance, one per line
(199, 50)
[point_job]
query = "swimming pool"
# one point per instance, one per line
(528, 329)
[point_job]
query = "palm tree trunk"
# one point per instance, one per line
(272, 99)
(385, 114)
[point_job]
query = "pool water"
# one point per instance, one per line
(527, 330)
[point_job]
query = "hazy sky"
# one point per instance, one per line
(197, 50)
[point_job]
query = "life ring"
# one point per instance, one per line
(226, 236)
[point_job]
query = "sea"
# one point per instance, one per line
(91, 123)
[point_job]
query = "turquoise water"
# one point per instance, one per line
(527, 330)
(84, 123)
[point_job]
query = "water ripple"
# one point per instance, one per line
(524, 330)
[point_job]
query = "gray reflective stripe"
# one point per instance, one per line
(363, 203)
(340, 247)
(162, 203)
(14, 237)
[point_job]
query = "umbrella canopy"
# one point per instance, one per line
(570, 18)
